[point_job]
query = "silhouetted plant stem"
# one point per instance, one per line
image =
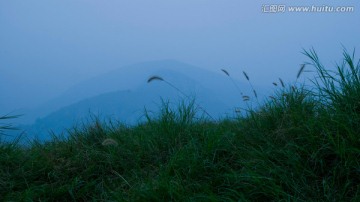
(152, 78)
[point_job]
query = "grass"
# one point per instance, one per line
(300, 145)
(6, 126)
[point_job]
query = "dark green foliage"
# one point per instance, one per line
(300, 145)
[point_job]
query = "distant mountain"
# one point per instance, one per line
(124, 93)
(128, 106)
(133, 76)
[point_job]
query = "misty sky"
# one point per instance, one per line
(46, 46)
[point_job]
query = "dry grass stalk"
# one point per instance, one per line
(170, 84)
(255, 93)
(252, 87)
(232, 80)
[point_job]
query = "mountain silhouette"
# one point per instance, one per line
(124, 94)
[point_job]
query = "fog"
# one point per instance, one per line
(47, 46)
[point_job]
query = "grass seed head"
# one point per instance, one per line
(226, 72)
(282, 83)
(109, 142)
(245, 98)
(246, 76)
(300, 70)
(152, 78)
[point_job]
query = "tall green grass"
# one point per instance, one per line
(300, 145)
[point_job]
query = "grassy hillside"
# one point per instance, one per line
(301, 145)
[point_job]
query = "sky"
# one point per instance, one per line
(48, 46)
